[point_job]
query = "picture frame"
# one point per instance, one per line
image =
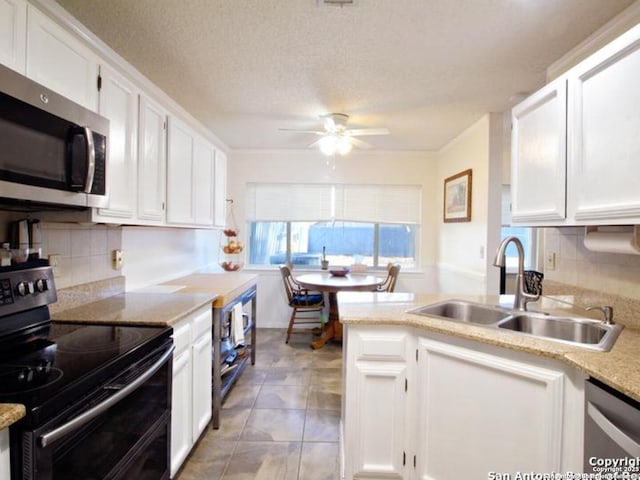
(457, 197)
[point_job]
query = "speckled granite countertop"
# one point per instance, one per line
(619, 368)
(137, 309)
(10, 413)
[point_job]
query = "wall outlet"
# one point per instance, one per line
(550, 264)
(481, 252)
(55, 261)
(117, 259)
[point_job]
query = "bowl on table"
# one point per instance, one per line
(339, 271)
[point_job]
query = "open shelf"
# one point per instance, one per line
(223, 382)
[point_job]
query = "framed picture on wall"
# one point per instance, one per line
(457, 197)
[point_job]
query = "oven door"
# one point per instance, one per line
(121, 431)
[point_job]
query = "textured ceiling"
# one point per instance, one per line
(424, 69)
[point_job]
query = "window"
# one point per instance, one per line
(526, 235)
(363, 224)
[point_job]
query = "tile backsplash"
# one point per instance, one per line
(85, 251)
(607, 273)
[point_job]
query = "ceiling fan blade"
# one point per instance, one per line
(316, 132)
(359, 143)
(367, 131)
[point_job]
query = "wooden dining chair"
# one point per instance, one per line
(389, 284)
(307, 305)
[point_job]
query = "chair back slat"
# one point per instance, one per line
(389, 284)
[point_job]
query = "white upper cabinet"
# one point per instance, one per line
(539, 156)
(220, 191)
(190, 176)
(601, 165)
(180, 208)
(57, 60)
(203, 181)
(13, 34)
(152, 159)
(119, 103)
(604, 146)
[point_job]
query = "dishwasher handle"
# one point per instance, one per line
(623, 440)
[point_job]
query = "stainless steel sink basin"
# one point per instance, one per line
(462, 311)
(579, 331)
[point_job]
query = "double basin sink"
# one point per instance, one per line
(578, 331)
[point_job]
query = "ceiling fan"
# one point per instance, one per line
(336, 137)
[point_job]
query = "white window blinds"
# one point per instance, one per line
(325, 202)
(273, 202)
(381, 203)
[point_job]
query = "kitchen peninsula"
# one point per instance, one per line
(496, 398)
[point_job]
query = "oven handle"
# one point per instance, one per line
(623, 440)
(59, 432)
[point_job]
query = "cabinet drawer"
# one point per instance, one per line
(181, 337)
(201, 323)
(381, 345)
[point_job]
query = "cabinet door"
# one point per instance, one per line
(13, 34)
(59, 61)
(201, 384)
(5, 461)
(180, 199)
(203, 181)
(151, 161)
(119, 103)
(181, 410)
(604, 147)
(220, 190)
(376, 404)
(539, 157)
(480, 413)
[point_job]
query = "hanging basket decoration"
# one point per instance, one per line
(230, 245)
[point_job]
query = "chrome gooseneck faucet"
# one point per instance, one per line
(521, 297)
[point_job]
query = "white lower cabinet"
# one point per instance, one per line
(5, 461)
(375, 423)
(431, 407)
(191, 395)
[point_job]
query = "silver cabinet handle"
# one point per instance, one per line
(59, 432)
(623, 440)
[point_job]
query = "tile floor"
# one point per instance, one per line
(281, 419)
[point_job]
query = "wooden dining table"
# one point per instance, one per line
(331, 285)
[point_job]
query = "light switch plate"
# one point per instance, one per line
(551, 261)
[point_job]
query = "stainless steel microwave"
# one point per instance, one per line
(52, 150)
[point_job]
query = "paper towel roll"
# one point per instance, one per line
(611, 242)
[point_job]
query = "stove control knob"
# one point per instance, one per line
(24, 288)
(41, 285)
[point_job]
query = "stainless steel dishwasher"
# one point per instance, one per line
(612, 431)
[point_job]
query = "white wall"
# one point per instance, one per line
(358, 167)
(466, 249)
(154, 255)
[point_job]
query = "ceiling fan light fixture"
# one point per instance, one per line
(344, 145)
(332, 144)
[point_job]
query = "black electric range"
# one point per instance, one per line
(61, 371)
